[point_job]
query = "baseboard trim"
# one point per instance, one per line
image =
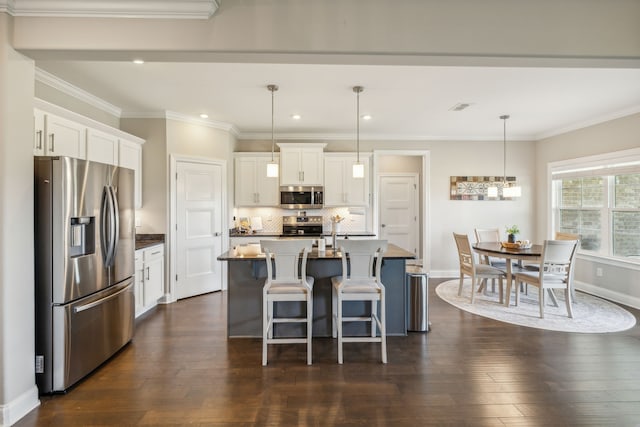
(599, 291)
(444, 274)
(19, 407)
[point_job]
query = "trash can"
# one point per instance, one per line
(417, 299)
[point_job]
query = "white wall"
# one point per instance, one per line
(18, 392)
(618, 282)
(155, 193)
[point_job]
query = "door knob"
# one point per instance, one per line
(383, 225)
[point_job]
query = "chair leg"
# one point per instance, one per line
(265, 328)
(518, 293)
(334, 312)
(460, 286)
(374, 315)
(473, 288)
(339, 322)
(501, 290)
(270, 309)
(309, 326)
(383, 328)
(541, 301)
(569, 301)
(493, 286)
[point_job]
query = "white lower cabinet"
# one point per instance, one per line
(149, 277)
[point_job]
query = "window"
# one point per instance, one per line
(601, 203)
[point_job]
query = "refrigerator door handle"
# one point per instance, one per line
(104, 227)
(115, 231)
(98, 302)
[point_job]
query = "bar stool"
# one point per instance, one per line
(360, 282)
(286, 281)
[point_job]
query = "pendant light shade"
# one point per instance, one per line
(272, 166)
(358, 168)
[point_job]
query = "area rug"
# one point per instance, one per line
(590, 314)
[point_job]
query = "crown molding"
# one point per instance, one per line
(591, 122)
(373, 137)
(65, 87)
(166, 9)
(170, 115)
(7, 6)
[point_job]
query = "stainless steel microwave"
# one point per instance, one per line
(301, 197)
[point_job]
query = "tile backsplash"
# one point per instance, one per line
(356, 219)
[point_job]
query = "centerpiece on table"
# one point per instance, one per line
(512, 232)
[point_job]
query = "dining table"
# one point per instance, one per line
(530, 253)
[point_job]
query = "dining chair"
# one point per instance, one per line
(479, 273)
(360, 281)
(554, 272)
(560, 236)
(286, 281)
(490, 235)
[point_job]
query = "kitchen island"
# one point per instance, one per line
(247, 273)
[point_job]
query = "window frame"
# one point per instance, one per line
(607, 166)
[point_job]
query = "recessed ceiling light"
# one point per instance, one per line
(138, 61)
(204, 116)
(366, 117)
(296, 116)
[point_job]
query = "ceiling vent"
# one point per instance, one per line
(460, 106)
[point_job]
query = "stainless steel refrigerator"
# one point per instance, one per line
(84, 263)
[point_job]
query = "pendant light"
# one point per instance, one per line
(507, 190)
(272, 166)
(358, 168)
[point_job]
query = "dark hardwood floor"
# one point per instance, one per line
(181, 370)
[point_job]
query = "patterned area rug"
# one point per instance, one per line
(590, 314)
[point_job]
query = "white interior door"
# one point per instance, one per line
(399, 211)
(198, 228)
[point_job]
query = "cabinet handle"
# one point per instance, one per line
(39, 146)
(302, 176)
(53, 140)
(155, 253)
(147, 273)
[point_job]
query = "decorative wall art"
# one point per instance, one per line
(476, 187)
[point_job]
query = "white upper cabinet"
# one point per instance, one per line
(301, 164)
(65, 137)
(102, 147)
(252, 186)
(130, 156)
(340, 187)
(82, 138)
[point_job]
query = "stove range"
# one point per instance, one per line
(301, 226)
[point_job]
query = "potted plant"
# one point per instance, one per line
(512, 232)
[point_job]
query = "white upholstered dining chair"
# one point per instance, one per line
(360, 281)
(286, 281)
(479, 273)
(554, 272)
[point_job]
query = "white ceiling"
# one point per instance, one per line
(406, 102)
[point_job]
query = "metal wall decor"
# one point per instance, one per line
(475, 187)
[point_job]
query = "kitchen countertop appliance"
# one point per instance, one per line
(301, 226)
(84, 266)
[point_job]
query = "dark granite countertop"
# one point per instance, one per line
(147, 240)
(393, 251)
